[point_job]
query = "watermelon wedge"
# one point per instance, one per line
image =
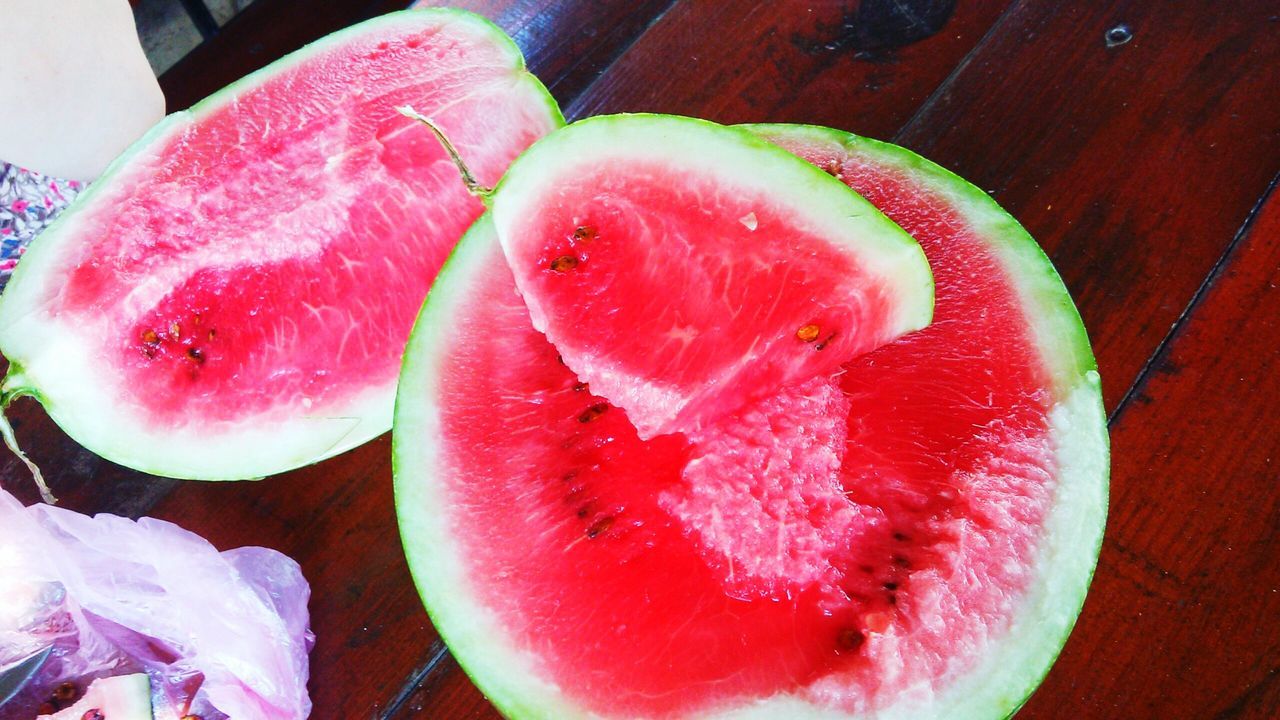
(232, 297)
(124, 697)
(911, 536)
(710, 273)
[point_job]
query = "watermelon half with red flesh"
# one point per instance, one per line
(911, 536)
(232, 297)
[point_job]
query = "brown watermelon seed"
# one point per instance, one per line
(564, 263)
(599, 526)
(808, 333)
(94, 714)
(585, 233)
(212, 333)
(849, 639)
(593, 412)
(150, 337)
(579, 386)
(66, 692)
(196, 355)
(175, 330)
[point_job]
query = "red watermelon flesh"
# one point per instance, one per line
(259, 261)
(851, 544)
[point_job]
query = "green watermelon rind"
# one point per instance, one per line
(996, 688)
(256, 454)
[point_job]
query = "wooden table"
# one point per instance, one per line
(1138, 141)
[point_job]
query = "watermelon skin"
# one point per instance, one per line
(518, 672)
(288, 228)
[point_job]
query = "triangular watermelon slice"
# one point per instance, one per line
(909, 537)
(232, 297)
(713, 271)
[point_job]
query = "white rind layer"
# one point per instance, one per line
(56, 362)
(1007, 671)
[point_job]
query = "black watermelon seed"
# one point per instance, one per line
(600, 526)
(593, 412)
(849, 639)
(564, 263)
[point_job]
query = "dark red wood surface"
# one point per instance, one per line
(1147, 170)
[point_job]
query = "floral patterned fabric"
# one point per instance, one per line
(28, 202)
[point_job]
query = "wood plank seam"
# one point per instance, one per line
(1219, 266)
(996, 27)
(438, 653)
(1242, 702)
(570, 103)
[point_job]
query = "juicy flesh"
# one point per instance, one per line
(683, 301)
(272, 255)
(848, 539)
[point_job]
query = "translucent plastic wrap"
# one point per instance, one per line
(220, 634)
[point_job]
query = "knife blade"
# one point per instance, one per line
(16, 676)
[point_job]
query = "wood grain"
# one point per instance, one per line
(565, 43)
(1182, 618)
(1133, 165)
(790, 61)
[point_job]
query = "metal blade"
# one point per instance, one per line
(15, 677)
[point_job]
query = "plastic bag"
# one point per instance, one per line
(220, 634)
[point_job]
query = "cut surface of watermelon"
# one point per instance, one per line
(910, 537)
(684, 268)
(257, 262)
(124, 697)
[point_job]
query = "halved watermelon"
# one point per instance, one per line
(232, 297)
(682, 301)
(910, 537)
